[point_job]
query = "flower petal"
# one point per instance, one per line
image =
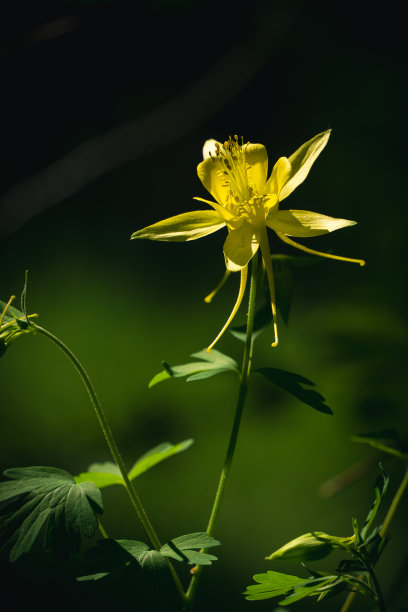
(301, 247)
(280, 174)
(302, 160)
(240, 246)
(304, 224)
(244, 276)
(256, 159)
(211, 174)
(210, 148)
(184, 227)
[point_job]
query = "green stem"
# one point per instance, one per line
(100, 415)
(242, 392)
(387, 521)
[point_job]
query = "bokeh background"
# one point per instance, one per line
(106, 105)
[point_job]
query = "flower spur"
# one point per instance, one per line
(247, 203)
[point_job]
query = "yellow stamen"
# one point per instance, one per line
(244, 276)
(3, 314)
(266, 256)
(220, 285)
(313, 252)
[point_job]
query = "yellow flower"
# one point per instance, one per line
(247, 202)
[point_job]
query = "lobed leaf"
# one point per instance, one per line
(292, 383)
(186, 548)
(271, 584)
(211, 364)
(47, 497)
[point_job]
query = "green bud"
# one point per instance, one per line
(310, 547)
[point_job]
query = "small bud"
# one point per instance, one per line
(308, 547)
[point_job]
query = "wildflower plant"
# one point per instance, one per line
(67, 509)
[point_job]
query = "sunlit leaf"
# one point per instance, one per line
(47, 497)
(156, 455)
(108, 473)
(211, 364)
(187, 548)
(272, 584)
(312, 588)
(292, 383)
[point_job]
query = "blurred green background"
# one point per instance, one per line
(77, 72)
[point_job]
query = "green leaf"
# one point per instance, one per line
(156, 455)
(386, 440)
(11, 314)
(47, 497)
(380, 488)
(292, 383)
(108, 474)
(186, 548)
(101, 474)
(314, 587)
(211, 364)
(272, 584)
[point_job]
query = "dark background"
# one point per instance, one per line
(105, 108)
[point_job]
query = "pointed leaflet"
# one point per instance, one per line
(187, 548)
(108, 473)
(47, 497)
(292, 383)
(386, 440)
(380, 488)
(212, 363)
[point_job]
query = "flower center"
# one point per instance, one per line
(242, 197)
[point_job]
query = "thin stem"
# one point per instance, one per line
(242, 391)
(113, 447)
(387, 521)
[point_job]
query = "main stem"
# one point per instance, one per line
(243, 387)
(113, 447)
(383, 531)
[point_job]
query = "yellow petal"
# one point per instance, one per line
(256, 159)
(280, 174)
(304, 224)
(244, 276)
(211, 174)
(230, 219)
(302, 160)
(210, 148)
(240, 246)
(313, 252)
(184, 227)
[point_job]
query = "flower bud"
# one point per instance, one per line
(310, 547)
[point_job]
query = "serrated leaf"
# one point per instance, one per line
(271, 584)
(386, 440)
(380, 488)
(47, 497)
(186, 548)
(210, 365)
(156, 455)
(292, 383)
